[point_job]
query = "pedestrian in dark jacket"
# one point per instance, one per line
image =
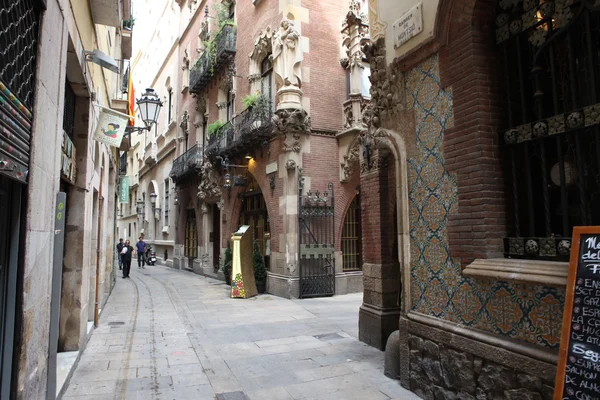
(141, 252)
(120, 246)
(126, 254)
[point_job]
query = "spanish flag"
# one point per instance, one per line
(131, 98)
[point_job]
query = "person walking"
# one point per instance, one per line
(126, 254)
(141, 253)
(120, 246)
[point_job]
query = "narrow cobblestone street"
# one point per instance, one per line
(168, 334)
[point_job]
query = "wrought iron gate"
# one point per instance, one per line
(316, 220)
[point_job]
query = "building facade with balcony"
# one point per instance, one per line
(269, 120)
(57, 186)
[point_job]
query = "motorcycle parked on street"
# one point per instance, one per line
(150, 256)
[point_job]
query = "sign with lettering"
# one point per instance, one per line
(408, 26)
(578, 372)
(124, 189)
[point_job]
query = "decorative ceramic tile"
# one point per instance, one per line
(529, 313)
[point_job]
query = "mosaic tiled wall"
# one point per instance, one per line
(526, 312)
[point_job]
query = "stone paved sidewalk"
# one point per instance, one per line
(167, 334)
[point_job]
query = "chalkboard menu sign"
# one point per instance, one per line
(578, 372)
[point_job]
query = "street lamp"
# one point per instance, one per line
(155, 209)
(149, 106)
(140, 208)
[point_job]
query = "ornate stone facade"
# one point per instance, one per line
(184, 125)
(387, 84)
(210, 182)
(291, 124)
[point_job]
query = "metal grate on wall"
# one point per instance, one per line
(69, 111)
(19, 24)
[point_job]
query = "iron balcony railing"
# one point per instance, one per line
(246, 131)
(187, 165)
(213, 60)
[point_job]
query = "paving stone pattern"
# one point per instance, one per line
(182, 337)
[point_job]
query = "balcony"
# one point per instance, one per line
(210, 61)
(126, 38)
(151, 154)
(246, 131)
(108, 12)
(134, 182)
(187, 165)
(120, 95)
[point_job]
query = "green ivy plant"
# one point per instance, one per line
(256, 100)
(210, 45)
(211, 129)
(128, 23)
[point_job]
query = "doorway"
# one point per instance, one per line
(254, 214)
(191, 237)
(10, 200)
(215, 236)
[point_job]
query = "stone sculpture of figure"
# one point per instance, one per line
(287, 55)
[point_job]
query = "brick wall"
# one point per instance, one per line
(327, 87)
(471, 148)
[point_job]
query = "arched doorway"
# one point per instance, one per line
(254, 213)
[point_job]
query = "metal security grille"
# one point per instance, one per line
(351, 238)
(548, 51)
(19, 24)
(69, 112)
(316, 218)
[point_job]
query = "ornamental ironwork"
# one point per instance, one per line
(316, 221)
(248, 130)
(213, 59)
(551, 136)
(187, 165)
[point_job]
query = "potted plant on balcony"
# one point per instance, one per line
(211, 129)
(128, 24)
(257, 104)
(227, 264)
(260, 270)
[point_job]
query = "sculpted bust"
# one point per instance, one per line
(287, 55)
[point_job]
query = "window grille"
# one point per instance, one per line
(351, 238)
(69, 111)
(19, 25)
(551, 138)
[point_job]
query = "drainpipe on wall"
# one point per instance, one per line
(98, 247)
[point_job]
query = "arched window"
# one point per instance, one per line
(351, 238)
(266, 86)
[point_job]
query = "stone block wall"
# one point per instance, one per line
(440, 372)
